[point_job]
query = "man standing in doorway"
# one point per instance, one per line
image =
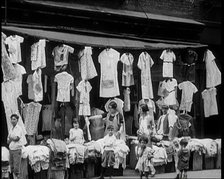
(15, 146)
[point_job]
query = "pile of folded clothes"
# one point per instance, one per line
(5, 163)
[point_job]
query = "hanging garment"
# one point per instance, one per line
(47, 112)
(60, 54)
(9, 99)
(165, 122)
(145, 63)
(84, 87)
(108, 60)
(168, 58)
(170, 86)
(7, 67)
(37, 85)
(210, 103)
(14, 49)
(64, 81)
(127, 73)
(136, 116)
(146, 123)
(188, 69)
(188, 89)
(30, 86)
(96, 125)
(66, 114)
(88, 70)
(31, 113)
(127, 102)
(38, 56)
(129, 124)
(20, 71)
(213, 75)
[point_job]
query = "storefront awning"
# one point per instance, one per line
(108, 11)
(99, 41)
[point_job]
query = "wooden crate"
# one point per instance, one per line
(76, 171)
(197, 161)
(57, 174)
(90, 170)
(170, 167)
(24, 168)
(209, 162)
(218, 160)
(115, 171)
(160, 169)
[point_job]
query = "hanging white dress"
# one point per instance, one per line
(168, 58)
(127, 73)
(88, 70)
(213, 75)
(108, 60)
(145, 63)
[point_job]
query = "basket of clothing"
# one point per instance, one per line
(92, 159)
(38, 158)
(58, 158)
(209, 157)
(197, 150)
(159, 159)
(168, 146)
(5, 162)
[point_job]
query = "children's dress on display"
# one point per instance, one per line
(108, 60)
(145, 63)
(168, 58)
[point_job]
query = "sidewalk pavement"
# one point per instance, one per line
(128, 173)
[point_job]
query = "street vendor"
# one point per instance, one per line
(112, 117)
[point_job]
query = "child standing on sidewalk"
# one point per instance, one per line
(144, 155)
(108, 157)
(183, 159)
